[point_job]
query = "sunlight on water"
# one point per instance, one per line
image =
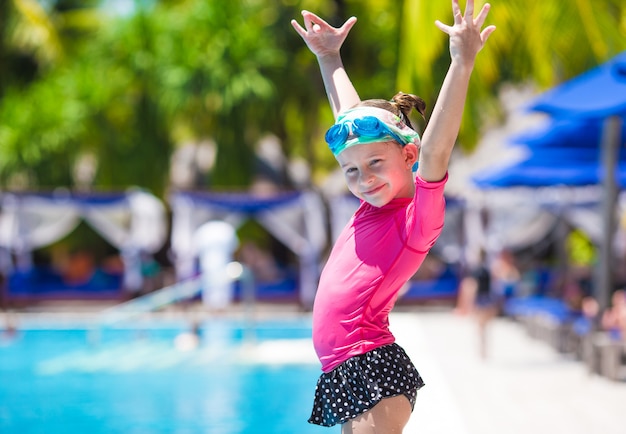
(155, 356)
(138, 381)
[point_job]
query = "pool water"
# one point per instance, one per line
(132, 379)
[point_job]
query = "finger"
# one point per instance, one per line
(456, 11)
(487, 31)
(310, 16)
(443, 27)
(298, 28)
(469, 10)
(350, 22)
(482, 15)
(310, 20)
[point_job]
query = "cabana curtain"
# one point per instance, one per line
(134, 222)
(296, 219)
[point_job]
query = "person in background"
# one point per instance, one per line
(189, 340)
(506, 275)
(614, 318)
(9, 331)
(486, 303)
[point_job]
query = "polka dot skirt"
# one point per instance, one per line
(359, 383)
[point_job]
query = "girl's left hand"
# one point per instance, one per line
(466, 37)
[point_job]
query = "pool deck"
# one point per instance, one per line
(523, 386)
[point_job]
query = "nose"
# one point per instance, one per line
(366, 177)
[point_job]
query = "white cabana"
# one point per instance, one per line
(296, 219)
(134, 222)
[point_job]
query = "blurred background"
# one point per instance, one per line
(127, 127)
(99, 97)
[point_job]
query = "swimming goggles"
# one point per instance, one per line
(363, 125)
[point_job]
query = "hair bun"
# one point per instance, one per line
(407, 102)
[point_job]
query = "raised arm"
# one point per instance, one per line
(325, 42)
(466, 40)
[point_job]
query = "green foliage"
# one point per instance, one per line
(179, 72)
(214, 60)
(538, 41)
(580, 249)
(37, 133)
(128, 89)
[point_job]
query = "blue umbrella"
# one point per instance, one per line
(538, 176)
(563, 152)
(550, 166)
(594, 106)
(598, 93)
(578, 108)
(564, 133)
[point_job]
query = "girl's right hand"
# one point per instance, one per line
(322, 38)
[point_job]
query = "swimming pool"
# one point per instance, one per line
(133, 380)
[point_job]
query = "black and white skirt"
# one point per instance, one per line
(359, 383)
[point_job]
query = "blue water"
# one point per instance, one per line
(133, 380)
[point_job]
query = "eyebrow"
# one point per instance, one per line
(376, 154)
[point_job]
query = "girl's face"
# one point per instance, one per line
(379, 172)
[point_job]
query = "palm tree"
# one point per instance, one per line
(537, 41)
(27, 37)
(39, 127)
(51, 33)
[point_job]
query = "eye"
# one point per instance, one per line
(375, 161)
(350, 170)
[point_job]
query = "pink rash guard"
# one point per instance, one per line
(375, 255)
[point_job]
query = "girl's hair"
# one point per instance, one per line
(401, 105)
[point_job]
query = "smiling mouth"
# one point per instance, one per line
(373, 190)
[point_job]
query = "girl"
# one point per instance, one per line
(368, 383)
